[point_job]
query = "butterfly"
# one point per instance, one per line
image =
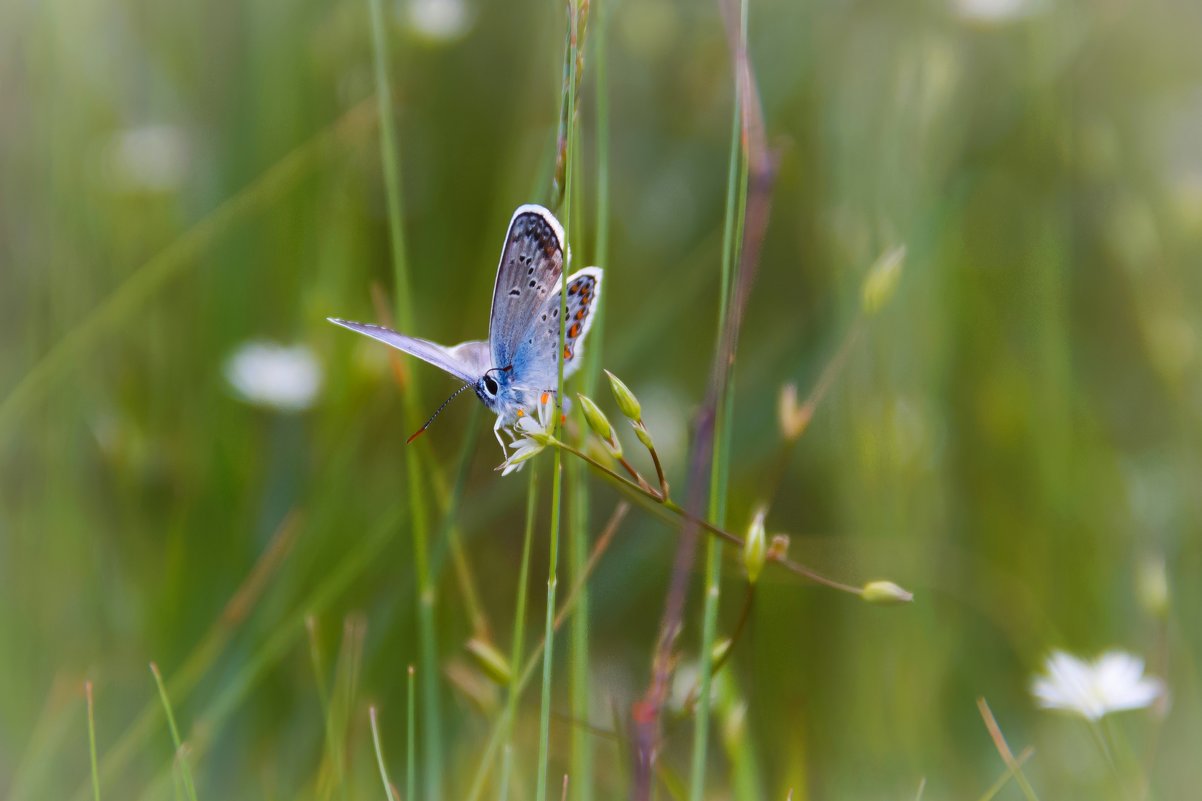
(520, 360)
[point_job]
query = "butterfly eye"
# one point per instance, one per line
(490, 385)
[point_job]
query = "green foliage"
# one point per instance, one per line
(1010, 430)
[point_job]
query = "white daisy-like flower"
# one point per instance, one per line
(1113, 682)
(531, 434)
(280, 377)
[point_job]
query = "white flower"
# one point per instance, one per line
(997, 11)
(149, 158)
(1113, 682)
(274, 376)
(531, 434)
(439, 20)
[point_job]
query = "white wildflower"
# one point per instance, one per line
(997, 11)
(148, 158)
(531, 434)
(439, 20)
(280, 377)
(1114, 682)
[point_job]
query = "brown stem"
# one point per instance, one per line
(659, 471)
(652, 500)
(634, 473)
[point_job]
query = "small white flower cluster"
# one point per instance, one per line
(531, 434)
(1113, 682)
(280, 377)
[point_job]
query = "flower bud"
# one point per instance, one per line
(794, 418)
(885, 592)
(882, 279)
(595, 418)
(755, 549)
(599, 451)
(779, 548)
(627, 402)
(1152, 586)
(644, 436)
(490, 660)
(719, 650)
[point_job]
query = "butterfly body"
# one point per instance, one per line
(520, 359)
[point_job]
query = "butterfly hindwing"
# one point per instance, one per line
(529, 273)
(536, 359)
(467, 361)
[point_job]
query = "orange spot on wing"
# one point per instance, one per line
(545, 396)
(521, 413)
(580, 314)
(574, 331)
(567, 354)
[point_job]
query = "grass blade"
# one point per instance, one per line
(389, 792)
(181, 757)
(92, 742)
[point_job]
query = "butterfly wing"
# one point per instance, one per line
(535, 364)
(529, 272)
(467, 361)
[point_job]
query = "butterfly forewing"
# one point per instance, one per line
(529, 273)
(466, 361)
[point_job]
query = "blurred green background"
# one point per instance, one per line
(1015, 437)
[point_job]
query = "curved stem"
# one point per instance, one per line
(659, 503)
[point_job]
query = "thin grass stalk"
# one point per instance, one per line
(524, 677)
(582, 740)
(87, 688)
(519, 622)
(506, 770)
(1003, 749)
(581, 765)
(427, 639)
(375, 739)
(411, 736)
(319, 674)
(180, 756)
(719, 468)
(333, 771)
(280, 642)
(557, 479)
(1007, 774)
(544, 723)
(761, 175)
(445, 497)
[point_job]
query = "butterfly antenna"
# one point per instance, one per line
(422, 430)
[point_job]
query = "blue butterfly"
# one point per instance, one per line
(519, 362)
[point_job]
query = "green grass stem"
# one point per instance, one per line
(87, 687)
(281, 640)
(181, 757)
(427, 629)
(501, 724)
(410, 734)
(581, 765)
(544, 723)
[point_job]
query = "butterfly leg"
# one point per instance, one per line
(496, 430)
